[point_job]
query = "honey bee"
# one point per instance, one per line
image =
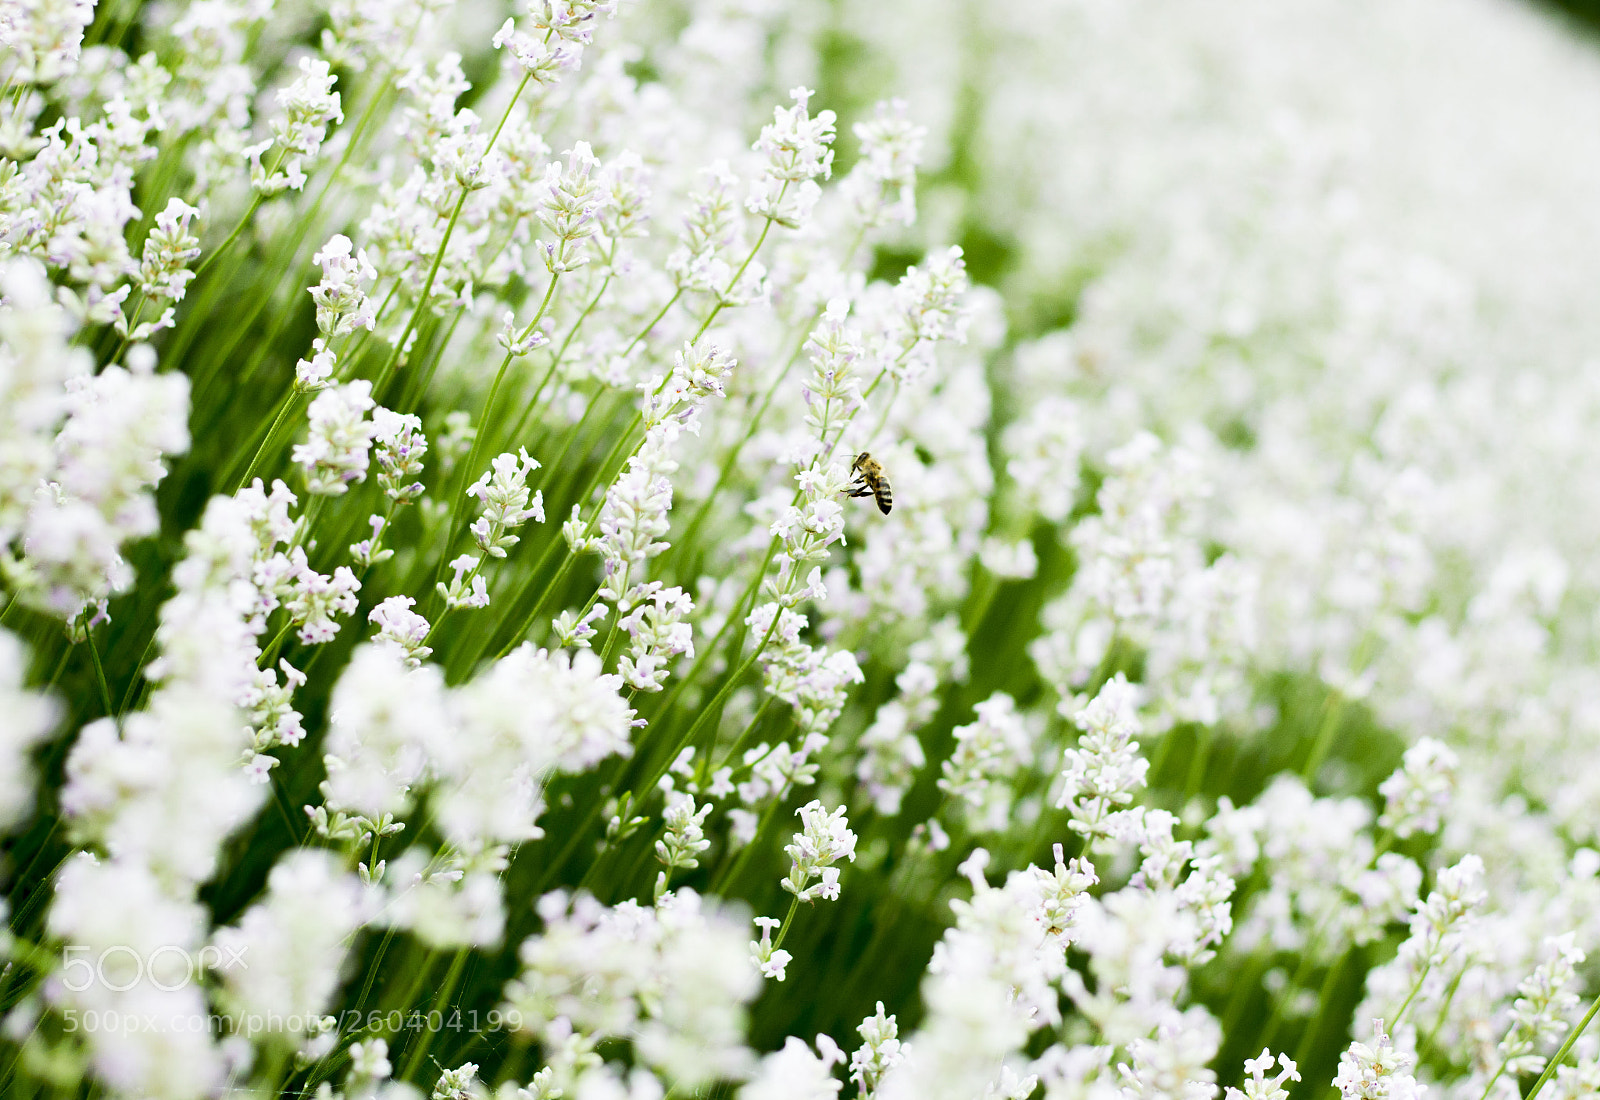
(870, 480)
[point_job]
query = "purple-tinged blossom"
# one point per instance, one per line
(339, 438)
(400, 445)
(711, 234)
(315, 373)
(402, 628)
(308, 105)
(503, 493)
(519, 342)
(270, 707)
(660, 631)
(1376, 1072)
(314, 600)
(342, 302)
(467, 588)
(570, 630)
(697, 375)
(560, 29)
(773, 962)
(824, 839)
(569, 207)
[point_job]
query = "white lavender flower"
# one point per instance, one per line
(880, 1051)
(711, 239)
(309, 103)
(1544, 1001)
(1416, 794)
(342, 303)
(674, 979)
(503, 494)
(1105, 768)
(1260, 1086)
(659, 630)
(771, 960)
(987, 755)
(163, 274)
(824, 840)
(339, 442)
(683, 839)
(881, 188)
(1376, 1072)
(30, 716)
(403, 628)
(560, 31)
(281, 961)
(569, 209)
(798, 148)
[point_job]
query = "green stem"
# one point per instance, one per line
(714, 706)
(1566, 1048)
(788, 920)
(485, 424)
(1332, 713)
(438, 256)
(99, 670)
(736, 868)
(1308, 1038)
(267, 441)
(255, 204)
(722, 299)
(447, 990)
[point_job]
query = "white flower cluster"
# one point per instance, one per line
(987, 756)
(824, 840)
(309, 103)
(486, 747)
(1242, 477)
(81, 455)
(672, 979)
(891, 753)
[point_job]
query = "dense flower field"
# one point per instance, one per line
(791, 550)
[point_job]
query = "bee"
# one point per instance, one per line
(870, 480)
